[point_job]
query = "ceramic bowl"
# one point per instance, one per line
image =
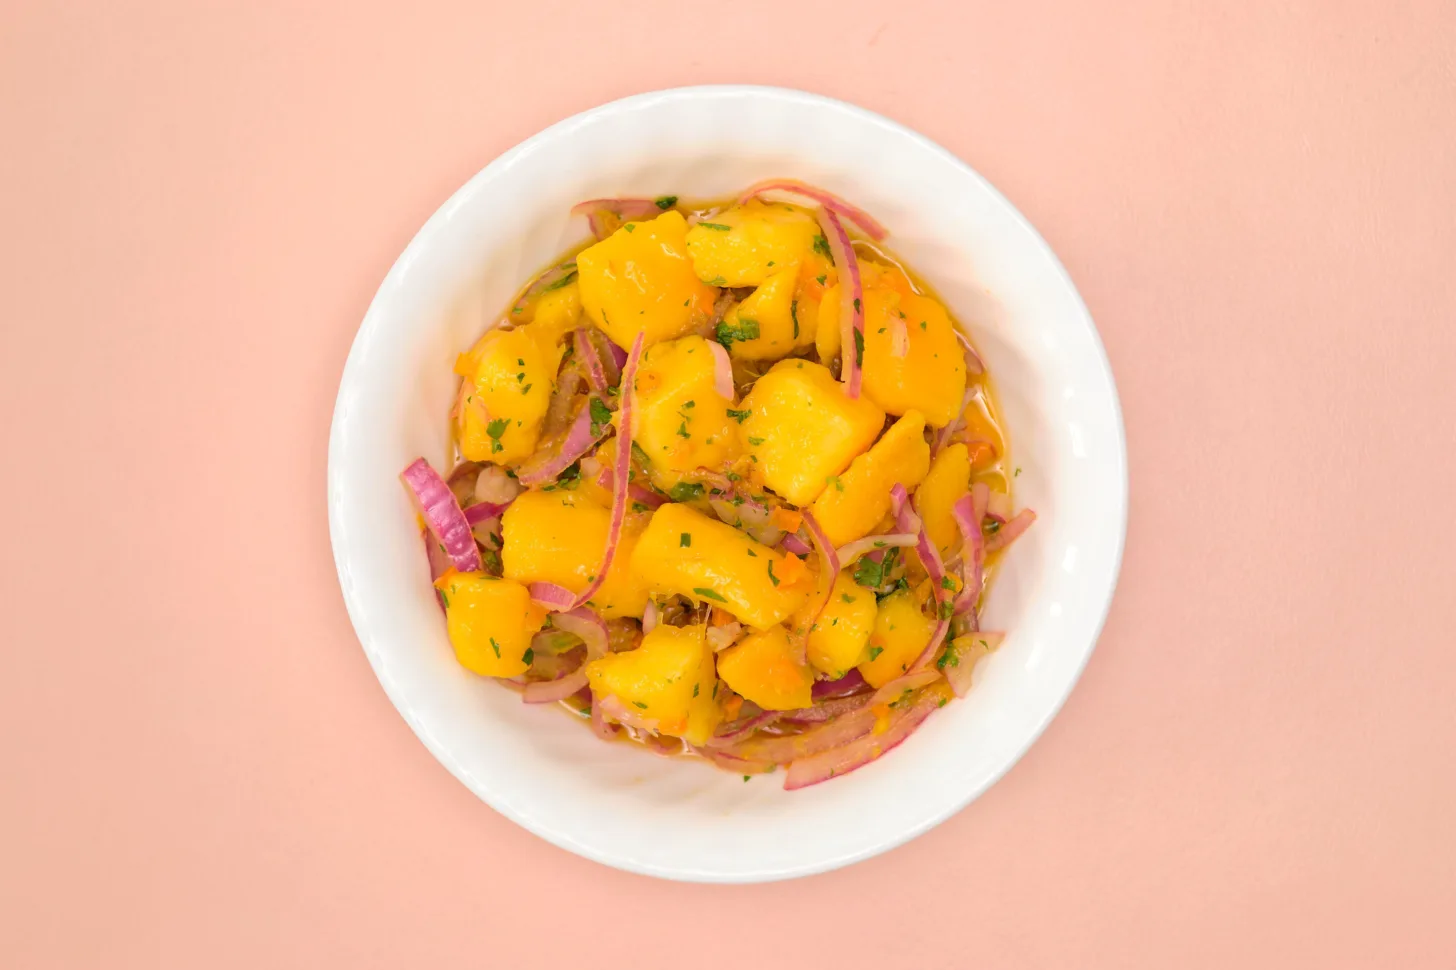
(679, 818)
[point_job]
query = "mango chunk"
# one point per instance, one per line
(559, 537)
(745, 244)
(513, 376)
(490, 621)
(687, 553)
(771, 313)
(669, 679)
(762, 667)
(555, 314)
(679, 420)
(878, 305)
(859, 499)
(931, 377)
(839, 640)
(948, 479)
(640, 280)
(803, 429)
(901, 633)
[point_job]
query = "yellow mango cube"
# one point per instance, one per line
(948, 479)
(500, 420)
(669, 679)
(640, 280)
(877, 304)
(762, 668)
(490, 621)
(560, 537)
(931, 377)
(556, 313)
(901, 633)
(687, 553)
(679, 421)
(856, 501)
(771, 313)
(803, 429)
(745, 244)
(839, 640)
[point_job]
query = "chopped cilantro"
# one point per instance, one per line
(682, 429)
(685, 491)
(717, 281)
(948, 659)
(947, 583)
(685, 540)
(753, 554)
(835, 481)
(876, 651)
(1017, 473)
(821, 278)
(794, 312)
(869, 573)
(858, 346)
(665, 202)
(558, 284)
(496, 647)
(745, 330)
(495, 429)
(991, 528)
(528, 656)
(821, 246)
(601, 416)
(444, 599)
(739, 416)
(771, 573)
(715, 225)
(845, 597)
(755, 441)
(629, 227)
(708, 594)
(639, 704)
(640, 455)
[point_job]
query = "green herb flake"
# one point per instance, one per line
(794, 312)
(496, 647)
(835, 481)
(846, 598)
(755, 441)
(1017, 473)
(922, 324)
(716, 226)
(717, 281)
(528, 656)
(640, 455)
(495, 429)
(820, 279)
(739, 416)
(527, 388)
(869, 573)
(821, 246)
(991, 528)
(685, 491)
(708, 594)
(858, 347)
(947, 583)
(876, 651)
(601, 416)
(665, 202)
(771, 575)
(682, 429)
(566, 280)
(444, 599)
(752, 553)
(745, 329)
(948, 659)
(629, 227)
(695, 690)
(685, 540)
(639, 704)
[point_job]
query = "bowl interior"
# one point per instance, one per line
(680, 818)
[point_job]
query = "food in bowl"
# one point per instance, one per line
(730, 483)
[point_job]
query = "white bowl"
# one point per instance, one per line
(677, 818)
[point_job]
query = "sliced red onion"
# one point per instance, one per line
(442, 515)
(619, 354)
(828, 564)
(811, 770)
(554, 275)
(722, 371)
(854, 214)
(908, 521)
(973, 359)
(899, 337)
(483, 512)
(959, 663)
(553, 597)
(850, 552)
(649, 617)
(611, 356)
(591, 361)
(613, 707)
(599, 724)
(791, 747)
(731, 734)
(827, 710)
(797, 546)
(554, 641)
(723, 637)
(942, 440)
(968, 512)
(848, 684)
(912, 681)
(620, 474)
(547, 691)
(851, 300)
(1008, 533)
(547, 464)
(733, 763)
(624, 209)
(584, 622)
(644, 496)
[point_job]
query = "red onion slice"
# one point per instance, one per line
(549, 463)
(599, 724)
(547, 691)
(553, 597)
(849, 552)
(843, 687)
(942, 440)
(828, 564)
(483, 512)
(973, 359)
(998, 507)
(643, 496)
(851, 300)
(441, 512)
(853, 213)
(591, 361)
(968, 512)
(908, 521)
(796, 545)
(613, 707)
(624, 209)
(730, 734)
(791, 747)
(807, 771)
(722, 371)
(827, 710)
(556, 275)
(584, 622)
(960, 658)
(1008, 533)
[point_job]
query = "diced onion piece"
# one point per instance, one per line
(586, 624)
(442, 515)
(853, 213)
(644, 496)
(547, 464)
(851, 300)
(973, 359)
(863, 749)
(849, 552)
(553, 597)
(722, 371)
(723, 637)
(797, 546)
(1008, 533)
(959, 662)
(899, 338)
(483, 512)
(547, 691)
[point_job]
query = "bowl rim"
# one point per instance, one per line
(394, 280)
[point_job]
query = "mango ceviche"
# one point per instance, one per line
(730, 483)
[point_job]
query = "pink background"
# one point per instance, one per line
(1258, 202)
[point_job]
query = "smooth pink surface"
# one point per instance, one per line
(1258, 201)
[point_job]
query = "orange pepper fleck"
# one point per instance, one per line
(786, 519)
(792, 569)
(722, 617)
